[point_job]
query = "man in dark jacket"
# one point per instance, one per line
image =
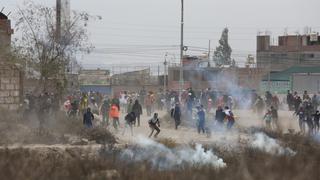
(220, 115)
(130, 118)
(88, 118)
(290, 100)
(176, 114)
(201, 119)
(137, 109)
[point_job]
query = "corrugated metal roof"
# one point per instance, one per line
(286, 74)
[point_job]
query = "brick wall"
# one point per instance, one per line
(10, 87)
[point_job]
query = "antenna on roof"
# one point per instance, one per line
(8, 14)
(2, 9)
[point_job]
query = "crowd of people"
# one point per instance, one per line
(204, 109)
(306, 108)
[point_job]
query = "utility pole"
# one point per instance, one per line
(165, 74)
(209, 50)
(181, 83)
(209, 54)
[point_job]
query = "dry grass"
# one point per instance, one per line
(170, 143)
(78, 164)
(73, 164)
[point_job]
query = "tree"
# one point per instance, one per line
(222, 54)
(45, 51)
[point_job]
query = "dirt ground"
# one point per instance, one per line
(26, 154)
(245, 119)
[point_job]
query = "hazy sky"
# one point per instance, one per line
(142, 31)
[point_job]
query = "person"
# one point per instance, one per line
(290, 100)
(268, 96)
(259, 106)
(189, 105)
(305, 95)
(274, 115)
(129, 119)
(130, 105)
(88, 117)
(123, 101)
(104, 112)
(316, 118)
(268, 119)
(275, 102)
(74, 108)
(83, 103)
(116, 101)
(154, 124)
(301, 114)
(297, 103)
(201, 119)
(137, 109)
(142, 95)
(308, 114)
(149, 103)
(115, 114)
(220, 115)
(230, 117)
(176, 115)
(315, 102)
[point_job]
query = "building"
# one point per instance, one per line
(306, 82)
(291, 50)
(97, 80)
(11, 78)
(134, 81)
(291, 79)
(219, 79)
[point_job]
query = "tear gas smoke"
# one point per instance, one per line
(162, 158)
(224, 83)
(266, 144)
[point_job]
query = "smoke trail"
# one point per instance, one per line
(264, 143)
(162, 158)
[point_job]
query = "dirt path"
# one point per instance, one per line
(187, 135)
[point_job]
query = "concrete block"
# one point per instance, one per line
(14, 80)
(14, 93)
(9, 86)
(9, 100)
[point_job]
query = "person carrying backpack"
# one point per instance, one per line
(129, 120)
(154, 124)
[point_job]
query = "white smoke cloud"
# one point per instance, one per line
(264, 143)
(163, 158)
